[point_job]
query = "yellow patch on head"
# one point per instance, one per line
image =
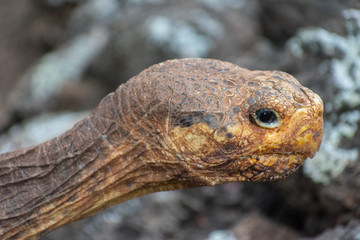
(195, 141)
(196, 138)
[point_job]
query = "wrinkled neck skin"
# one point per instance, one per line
(96, 164)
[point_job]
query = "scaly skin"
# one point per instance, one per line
(178, 124)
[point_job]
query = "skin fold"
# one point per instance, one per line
(178, 124)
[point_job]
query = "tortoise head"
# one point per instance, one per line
(226, 123)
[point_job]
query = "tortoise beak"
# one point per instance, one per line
(309, 132)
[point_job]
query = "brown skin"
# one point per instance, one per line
(178, 124)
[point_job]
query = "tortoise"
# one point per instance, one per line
(179, 124)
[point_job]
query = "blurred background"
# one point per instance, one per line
(58, 58)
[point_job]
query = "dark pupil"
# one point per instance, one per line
(266, 115)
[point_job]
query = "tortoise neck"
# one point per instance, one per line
(94, 165)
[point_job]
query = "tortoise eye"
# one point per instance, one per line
(267, 118)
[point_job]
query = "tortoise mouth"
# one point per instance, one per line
(270, 166)
(276, 162)
(250, 168)
(274, 159)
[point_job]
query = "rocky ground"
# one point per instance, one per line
(58, 58)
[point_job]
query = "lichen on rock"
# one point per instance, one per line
(342, 68)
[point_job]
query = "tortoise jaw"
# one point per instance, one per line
(277, 162)
(251, 168)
